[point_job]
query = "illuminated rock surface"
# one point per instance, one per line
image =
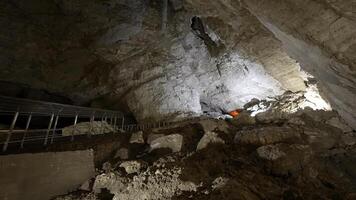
(320, 35)
(113, 54)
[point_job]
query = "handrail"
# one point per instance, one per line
(127, 128)
(17, 107)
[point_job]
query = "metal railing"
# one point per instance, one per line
(15, 108)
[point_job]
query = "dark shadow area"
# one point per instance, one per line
(198, 28)
(24, 91)
(105, 194)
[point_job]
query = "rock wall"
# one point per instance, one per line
(114, 54)
(320, 34)
(44, 175)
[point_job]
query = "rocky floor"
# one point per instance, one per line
(305, 155)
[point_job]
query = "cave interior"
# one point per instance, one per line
(260, 66)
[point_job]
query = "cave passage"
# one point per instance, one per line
(177, 100)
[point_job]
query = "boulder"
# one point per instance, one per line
(252, 103)
(270, 116)
(137, 137)
(270, 152)
(173, 142)
(94, 128)
(131, 166)
(209, 138)
(267, 135)
(152, 184)
(211, 125)
(151, 137)
(321, 140)
(296, 121)
(223, 126)
(285, 159)
(219, 183)
(208, 125)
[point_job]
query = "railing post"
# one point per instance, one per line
(74, 127)
(48, 129)
(115, 120)
(12, 126)
(122, 123)
(26, 130)
(54, 128)
(102, 124)
(92, 118)
(111, 124)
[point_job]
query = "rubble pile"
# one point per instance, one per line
(302, 155)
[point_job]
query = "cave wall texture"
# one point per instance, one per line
(113, 53)
(321, 35)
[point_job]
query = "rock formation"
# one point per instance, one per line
(320, 35)
(286, 69)
(114, 54)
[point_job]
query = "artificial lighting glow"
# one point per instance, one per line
(312, 95)
(314, 100)
(259, 108)
(292, 102)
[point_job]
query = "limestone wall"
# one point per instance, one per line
(113, 54)
(321, 36)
